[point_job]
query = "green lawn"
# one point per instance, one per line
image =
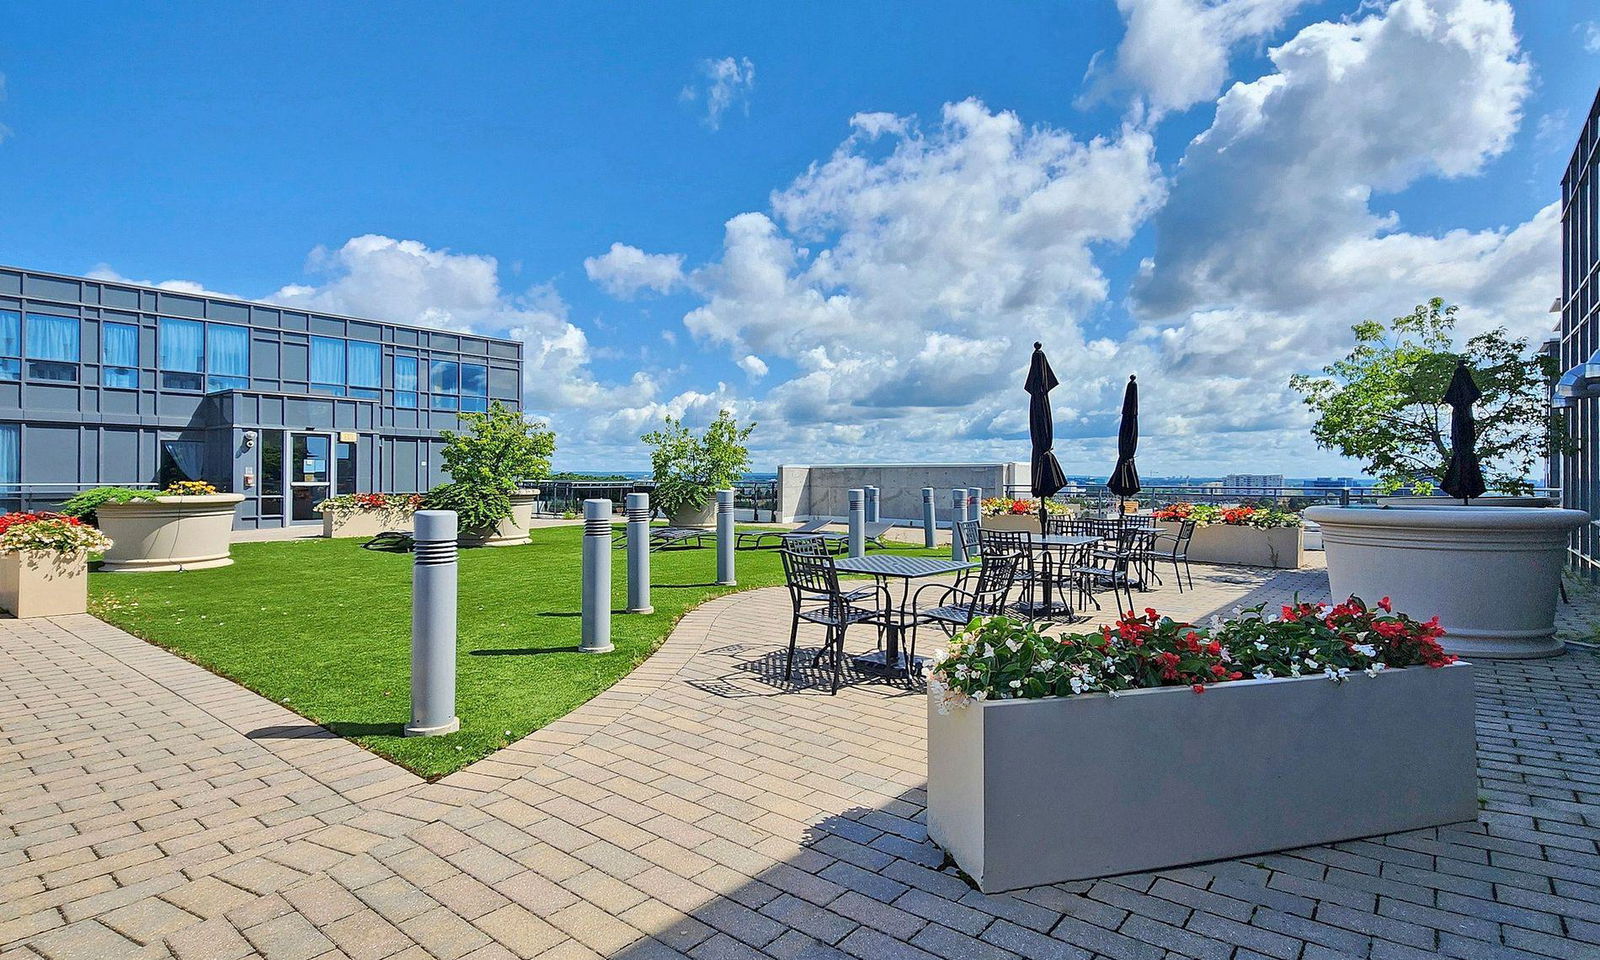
(324, 628)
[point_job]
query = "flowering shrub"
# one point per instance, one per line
(348, 503)
(1206, 514)
(1004, 659)
(189, 488)
(1007, 507)
(49, 531)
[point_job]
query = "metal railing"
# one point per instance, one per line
(48, 497)
(1096, 497)
(562, 497)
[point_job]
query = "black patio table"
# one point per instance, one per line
(1043, 544)
(889, 662)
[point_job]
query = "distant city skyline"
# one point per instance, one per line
(849, 226)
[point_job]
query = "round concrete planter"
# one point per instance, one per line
(702, 517)
(1491, 574)
(1506, 501)
(44, 583)
(511, 531)
(171, 533)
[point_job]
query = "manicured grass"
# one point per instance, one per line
(324, 628)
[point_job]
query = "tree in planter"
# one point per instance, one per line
(487, 462)
(689, 470)
(1382, 404)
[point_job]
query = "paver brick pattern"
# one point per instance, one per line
(703, 807)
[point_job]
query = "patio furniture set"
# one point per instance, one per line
(997, 572)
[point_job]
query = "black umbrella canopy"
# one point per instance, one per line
(1464, 476)
(1047, 477)
(1124, 480)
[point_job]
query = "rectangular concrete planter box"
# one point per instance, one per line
(367, 523)
(44, 583)
(1279, 547)
(1016, 521)
(1028, 792)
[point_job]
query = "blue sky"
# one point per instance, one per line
(1013, 171)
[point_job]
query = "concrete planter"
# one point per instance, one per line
(511, 531)
(1277, 547)
(1491, 574)
(1498, 501)
(698, 518)
(171, 533)
(44, 583)
(1012, 521)
(1027, 792)
(367, 523)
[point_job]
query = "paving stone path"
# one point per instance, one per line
(703, 807)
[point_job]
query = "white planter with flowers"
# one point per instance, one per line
(1028, 788)
(368, 514)
(1251, 536)
(44, 564)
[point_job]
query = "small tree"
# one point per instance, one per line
(688, 470)
(1382, 403)
(497, 452)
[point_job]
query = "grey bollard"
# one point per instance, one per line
(872, 504)
(596, 634)
(858, 523)
(433, 625)
(639, 553)
(725, 538)
(929, 520)
(958, 513)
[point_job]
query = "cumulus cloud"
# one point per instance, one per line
(754, 366)
(625, 272)
(1175, 52)
(719, 85)
(104, 271)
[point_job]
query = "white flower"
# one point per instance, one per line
(1365, 649)
(1076, 683)
(1337, 676)
(1015, 684)
(1261, 646)
(981, 695)
(1374, 669)
(1294, 669)
(1262, 673)
(1013, 646)
(1312, 663)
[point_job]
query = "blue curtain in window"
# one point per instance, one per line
(405, 373)
(227, 350)
(10, 333)
(366, 364)
(10, 455)
(188, 455)
(119, 355)
(182, 345)
(327, 361)
(52, 338)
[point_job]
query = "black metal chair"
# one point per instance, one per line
(956, 607)
(1172, 548)
(816, 597)
(1018, 543)
(966, 533)
(1119, 567)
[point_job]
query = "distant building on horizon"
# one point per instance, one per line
(1253, 483)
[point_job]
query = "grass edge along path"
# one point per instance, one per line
(323, 627)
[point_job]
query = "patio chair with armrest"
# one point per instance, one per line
(956, 607)
(872, 533)
(816, 597)
(1172, 548)
(1018, 543)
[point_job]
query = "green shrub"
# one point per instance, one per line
(477, 508)
(689, 470)
(83, 505)
(499, 450)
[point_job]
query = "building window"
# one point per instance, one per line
(366, 369)
(405, 381)
(182, 353)
(327, 366)
(52, 348)
(10, 458)
(119, 355)
(181, 460)
(474, 387)
(444, 382)
(227, 357)
(10, 345)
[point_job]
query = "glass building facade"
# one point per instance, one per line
(1578, 392)
(106, 383)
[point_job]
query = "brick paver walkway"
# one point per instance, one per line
(701, 807)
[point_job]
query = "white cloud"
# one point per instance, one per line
(625, 272)
(104, 271)
(721, 84)
(754, 366)
(1175, 52)
(1591, 35)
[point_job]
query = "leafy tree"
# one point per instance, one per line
(497, 452)
(1382, 403)
(689, 470)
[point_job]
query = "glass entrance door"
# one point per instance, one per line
(310, 473)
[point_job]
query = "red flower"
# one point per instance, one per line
(1219, 669)
(1384, 605)
(1199, 688)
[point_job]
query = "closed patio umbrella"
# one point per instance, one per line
(1124, 481)
(1046, 473)
(1464, 476)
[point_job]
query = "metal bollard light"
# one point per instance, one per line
(433, 625)
(725, 538)
(639, 553)
(596, 635)
(929, 520)
(958, 513)
(872, 504)
(858, 523)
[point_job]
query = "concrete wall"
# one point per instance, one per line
(822, 490)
